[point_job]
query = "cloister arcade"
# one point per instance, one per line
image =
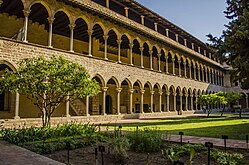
(52, 26)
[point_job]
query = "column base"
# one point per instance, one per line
(17, 117)
(68, 115)
(90, 55)
(142, 66)
(25, 41)
(106, 59)
(88, 115)
(131, 64)
(151, 69)
(71, 51)
(50, 46)
(119, 62)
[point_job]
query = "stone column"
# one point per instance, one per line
(131, 46)
(196, 102)
(199, 73)
(142, 19)
(106, 39)
(131, 100)
(185, 69)
(151, 100)
(179, 68)
(118, 100)
(174, 102)
(167, 97)
(173, 64)
(203, 75)
(71, 26)
(17, 106)
(67, 107)
(104, 96)
(190, 71)
(159, 62)
(186, 98)
(90, 32)
(119, 41)
(26, 21)
(180, 104)
(126, 11)
(142, 59)
(194, 72)
(107, 3)
(50, 32)
(160, 101)
(142, 101)
(192, 102)
(151, 59)
(207, 76)
(210, 76)
(87, 106)
(167, 64)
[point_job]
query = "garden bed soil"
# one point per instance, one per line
(86, 156)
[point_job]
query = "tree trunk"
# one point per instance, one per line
(240, 113)
(222, 112)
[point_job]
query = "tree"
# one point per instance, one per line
(49, 82)
(209, 100)
(230, 97)
(233, 46)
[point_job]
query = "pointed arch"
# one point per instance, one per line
(113, 80)
(148, 84)
(126, 81)
(100, 77)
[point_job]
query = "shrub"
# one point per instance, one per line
(223, 158)
(17, 136)
(146, 140)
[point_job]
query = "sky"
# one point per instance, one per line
(197, 17)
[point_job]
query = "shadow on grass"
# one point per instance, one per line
(173, 121)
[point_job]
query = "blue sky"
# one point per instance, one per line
(198, 17)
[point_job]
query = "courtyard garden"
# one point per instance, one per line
(136, 143)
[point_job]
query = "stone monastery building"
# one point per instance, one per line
(145, 65)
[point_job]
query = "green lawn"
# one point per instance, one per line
(198, 126)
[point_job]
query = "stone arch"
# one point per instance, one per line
(101, 78)
(43, 4)
(166, 88)
(65, 12)
(101, 25)
(149, 85)
(113, 79)
(115, 31)
(10, 64)
(139, 84)
(138, 40)
(85, 20)
(146, 55)
(128, 82)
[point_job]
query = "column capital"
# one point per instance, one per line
(152, 92)
(191, 95)
(150, 52)
(119, 41)
(105, 37)
(90, 32)
(186, 95)
(168, 93)
(1, 1)
(141, 49)
(184, 63)
(131, 91)
(126, 8)
(160, 93)
(26, 12)
(131, 45)
(142, 91)
(71, 26)
(159, 55)
(118, 90)
(50, 20)
(104, 89)
(180, 94)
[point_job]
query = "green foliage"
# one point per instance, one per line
(232, 46)
(49, 82)
(223, 158)
(230, 97)
(175, 152)
(119, 146)
(17, 136)
(146, 140)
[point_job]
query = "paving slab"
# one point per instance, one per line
(14, 155)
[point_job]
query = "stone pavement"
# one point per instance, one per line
(13, 155)
(201, 140)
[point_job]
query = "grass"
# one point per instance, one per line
(198, 126)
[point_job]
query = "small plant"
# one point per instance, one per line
(223, 158)
(173, 155)
(119, 146)
(147, 140)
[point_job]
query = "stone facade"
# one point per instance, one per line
(139, 69)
